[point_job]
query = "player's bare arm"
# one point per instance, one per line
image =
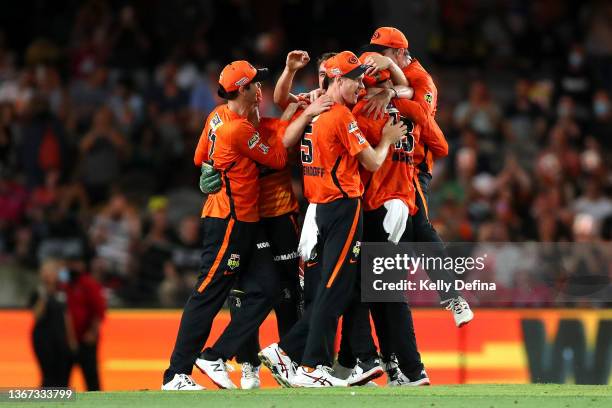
(372, 158)
(379, 62)
(294, 131)
(296, 60)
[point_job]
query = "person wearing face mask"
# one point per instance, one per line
(574, 80)
(601, 123)
(52, 337)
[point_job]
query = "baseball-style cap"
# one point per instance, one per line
(380, 76)
(237, 74)
(389, 37)
(344, 64)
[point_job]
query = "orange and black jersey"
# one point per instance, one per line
(328, 149)
(432, 145)
(234, 147)
(393, 179)
(275, 191)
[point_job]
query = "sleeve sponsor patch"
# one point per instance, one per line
(360, 139)
(264, 149)
(253, 140)
(215, 122)
(352, 127)
(428, 98)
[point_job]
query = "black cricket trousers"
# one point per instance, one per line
(270, 282)
(311, 340)
(227, 248)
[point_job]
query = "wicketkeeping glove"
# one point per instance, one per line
(210, 179)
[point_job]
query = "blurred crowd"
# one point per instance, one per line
(101, 110)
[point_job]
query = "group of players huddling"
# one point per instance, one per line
(366, 141)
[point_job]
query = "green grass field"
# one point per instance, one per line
(468, 396)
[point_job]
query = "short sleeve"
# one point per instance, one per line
(349, 134)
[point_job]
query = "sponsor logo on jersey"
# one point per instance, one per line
(253, 140)
(234, 261)
(352, 127)
(215, 122)
(264, 149)
(428, 98)
(262, 245)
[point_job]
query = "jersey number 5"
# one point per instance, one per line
(306, 147)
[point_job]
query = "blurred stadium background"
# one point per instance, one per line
(102, 103)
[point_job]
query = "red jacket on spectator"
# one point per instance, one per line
(85, 302)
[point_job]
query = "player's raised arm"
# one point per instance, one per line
(294, 131)
(296, 60)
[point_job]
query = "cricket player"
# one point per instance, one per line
(331, 150)
(271, 280)
(392, 43)
(229, 217)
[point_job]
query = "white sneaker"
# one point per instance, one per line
(182, 382)
(461, 310)
(217, 371)
(280, 364)
(316, 378)
(250, 377)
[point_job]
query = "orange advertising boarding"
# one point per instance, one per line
(136, 345)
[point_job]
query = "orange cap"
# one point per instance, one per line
(380, 76)
(389, 37)
(344, 64)
(239, 73)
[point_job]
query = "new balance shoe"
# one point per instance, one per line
(279, 364)
(461, 310)
(316, 378)
(217, 371)
(182, 382)
(365, 371)
(250, 377)
(391, 368)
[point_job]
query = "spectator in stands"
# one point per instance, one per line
(155, 251)
(480, 112)
(182, 269)
(114, 234)
(103, 150)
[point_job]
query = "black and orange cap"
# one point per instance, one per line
(237, 74)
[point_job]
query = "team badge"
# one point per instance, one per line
(428, 98)
(253, 140)
(215, 122)
(234, 261)
(357, 249)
